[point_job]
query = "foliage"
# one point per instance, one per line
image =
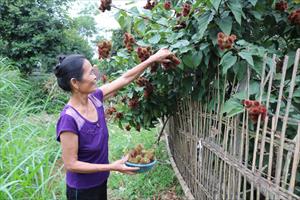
(33, 33)
(117, 40)
(192, 33)
(85, 25)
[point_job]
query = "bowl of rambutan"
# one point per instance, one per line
(141, 158)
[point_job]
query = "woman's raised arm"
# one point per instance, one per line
(133, 73)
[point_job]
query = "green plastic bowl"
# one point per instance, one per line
(143, 167)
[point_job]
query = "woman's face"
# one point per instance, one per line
(88, 82)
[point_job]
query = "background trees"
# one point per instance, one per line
(33, 33)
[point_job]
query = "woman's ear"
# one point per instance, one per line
(74, 84)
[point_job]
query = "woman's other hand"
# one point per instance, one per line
(120, 166)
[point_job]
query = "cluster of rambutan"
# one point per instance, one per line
(129, 41)
(150, 5)
(255, 109)
(225, 41)
(294, 17)
(174, 61)
(281, 5)
(105, 5)
(104, 48)
(148, 87)
(167, 5)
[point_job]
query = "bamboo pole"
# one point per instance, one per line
(295, 161)
(284, 126)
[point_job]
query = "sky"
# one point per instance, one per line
(105, 21)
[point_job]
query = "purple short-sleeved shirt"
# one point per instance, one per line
(92, 141)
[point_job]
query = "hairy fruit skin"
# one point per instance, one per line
(255, 109)
(174, 61)
(150, 5)
(105, 5)
(186, 9)
(294, 17)
(225, 41)
(128, 127)
(281, 6)
(128, 41)
(167, 5)
(140, 155)
(110, 110)
(104, 48)
(144, 53)
(133, 103)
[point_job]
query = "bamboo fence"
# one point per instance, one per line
(219, 157)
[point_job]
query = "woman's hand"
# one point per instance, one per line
(161, 56)
(120, 166)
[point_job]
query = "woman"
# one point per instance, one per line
(81, 128)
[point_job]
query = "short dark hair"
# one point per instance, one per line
(70, 66)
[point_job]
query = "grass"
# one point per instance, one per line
(30, 158)
(27, 159)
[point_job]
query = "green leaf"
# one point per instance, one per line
(292, 55)
(130, 95)
(246, 56)
(235, 111)
(142, 43)
(203, 22)
(192, 60)
(163, 21)
(240, 95)
(236, 9)
(204, 46)
(187, 83)
(215, 3)
(122, 54)
(185, 49)
(232, 107)
(175, 36)
(240, 70)
(253, 2)
(257, 15)
(120, 124)
(297, 93)
(140, 26)
(258, 63)
(254, 87)
(225, 24)
(197, 58)
(180, 44)
(154, 39)
(188, 60)
(134, 11)
(123, 19)
(296, 99)
(227, 61)
(241, 42)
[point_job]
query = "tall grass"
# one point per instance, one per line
(28, 167)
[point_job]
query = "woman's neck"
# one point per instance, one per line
(79, 99)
